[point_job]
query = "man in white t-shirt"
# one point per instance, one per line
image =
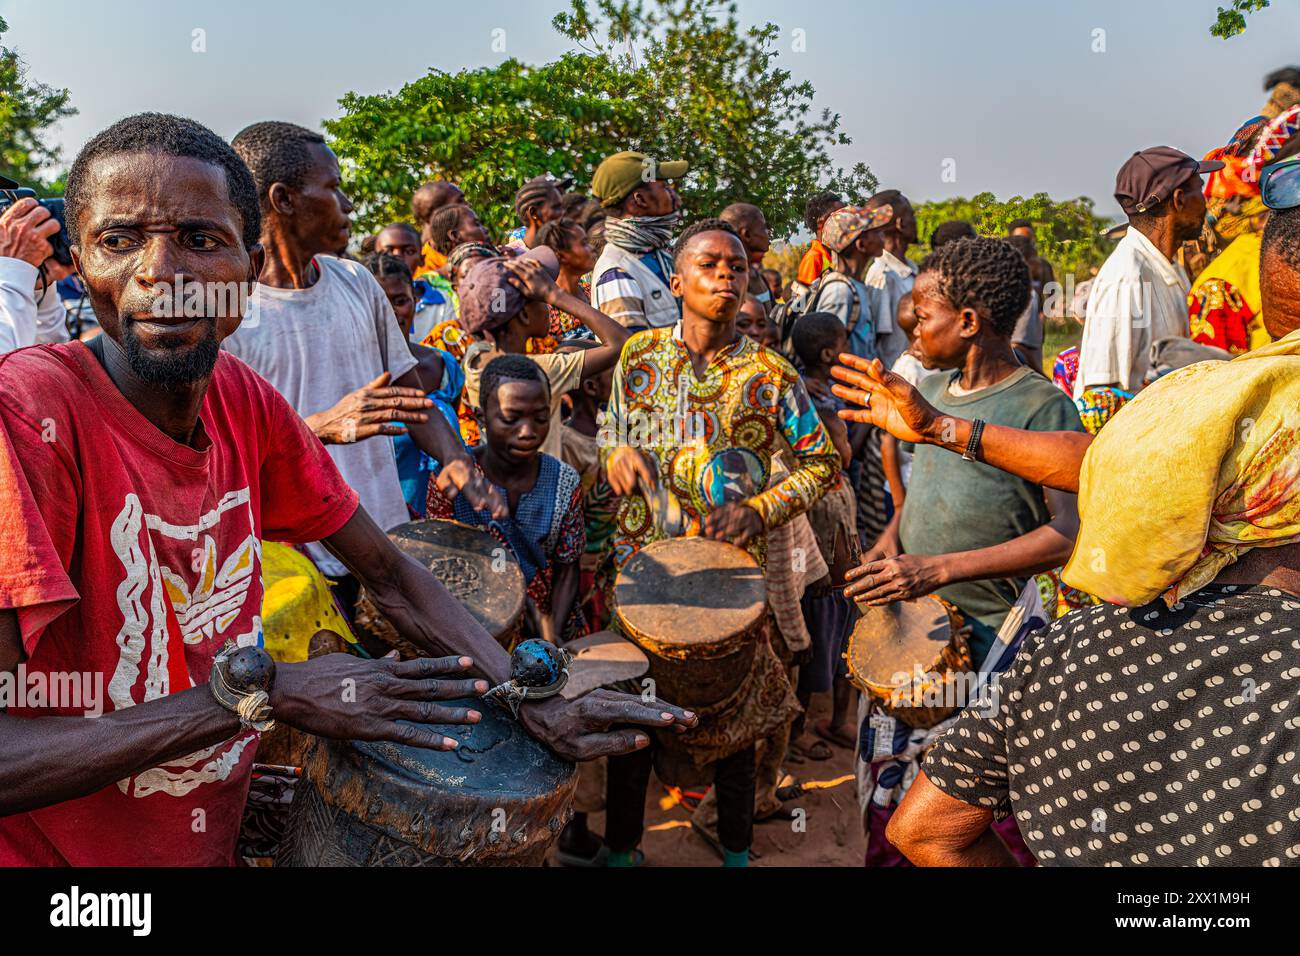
(891, 273)
(321, 331)
(1140, 294)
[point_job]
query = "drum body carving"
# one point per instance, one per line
(499, 800)
(696, 607)
(907, 656)
(475, 567)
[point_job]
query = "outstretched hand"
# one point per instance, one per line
(885, 399)
(594, 725)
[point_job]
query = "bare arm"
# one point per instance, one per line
(904, 576)
(424, 613)
(43, 760)
(531, 279)
(887, 400)
(931, 828)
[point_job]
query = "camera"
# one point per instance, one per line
(11, 192)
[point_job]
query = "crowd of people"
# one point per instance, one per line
(1116, 534)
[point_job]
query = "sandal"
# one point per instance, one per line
(825, 731)
(816, 750)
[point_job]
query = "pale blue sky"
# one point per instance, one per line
(1009, 89)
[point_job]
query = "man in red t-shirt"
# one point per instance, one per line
(138, 475)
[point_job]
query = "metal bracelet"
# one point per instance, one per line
(972, 446)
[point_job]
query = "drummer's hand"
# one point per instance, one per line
(459, 477)
(886, 400)
(898, 578)
(375, 409)
(347, 698)
(583, 729)
(625, 466)
(734, 522)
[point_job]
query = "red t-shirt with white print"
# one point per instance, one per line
(133, 559)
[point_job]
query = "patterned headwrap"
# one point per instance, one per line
(1217, 478)
(1276, 135)
(1232, 203)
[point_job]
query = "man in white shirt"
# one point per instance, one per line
(1140, 294)
(25, 231)
(321, 331)
(891, 275)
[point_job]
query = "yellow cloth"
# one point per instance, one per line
(1239, 265)
(296, 603)
(1195, 471)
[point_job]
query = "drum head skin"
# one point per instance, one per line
(475, 567)
(495, 756)
(690, 597)
(600, 659)
(898, 639)
(500, 799)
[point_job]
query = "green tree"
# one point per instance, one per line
(27, 111)
(1069, 233)
(675, 79)
(1232, 21)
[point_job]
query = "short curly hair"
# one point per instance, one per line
(987, 275)
(509, 368)
(276, 153)
(817, 207)
(170, 136)
(704, 225)
(1282, 235)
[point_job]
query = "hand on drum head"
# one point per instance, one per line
(347, 698)
(461, 478)
(583, 729)
(884, 399)
(734, 522)
(899, 578)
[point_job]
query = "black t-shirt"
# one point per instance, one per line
(1144, 736)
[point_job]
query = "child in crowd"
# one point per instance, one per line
(545, 530)
(818, 339)
(508, 302)
(577, 259)
(752, 320)
(442, 378)
(911, 366)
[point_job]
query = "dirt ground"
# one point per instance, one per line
(830, 833)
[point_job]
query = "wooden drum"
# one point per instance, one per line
(498, 800)
(696, 607)
(907, 656)
(475, 567)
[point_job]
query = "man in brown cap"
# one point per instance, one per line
(1140, 294)
(634, 269)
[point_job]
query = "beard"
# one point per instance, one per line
(172, 367)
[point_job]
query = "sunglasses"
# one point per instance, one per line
(1279, 184)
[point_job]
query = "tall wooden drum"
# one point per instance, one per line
(498, 800)
(907, 655)
(696, 607)
(475, 567)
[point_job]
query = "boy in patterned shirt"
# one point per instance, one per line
(701, 410)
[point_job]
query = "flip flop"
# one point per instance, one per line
(818, 750)
(824, 730)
